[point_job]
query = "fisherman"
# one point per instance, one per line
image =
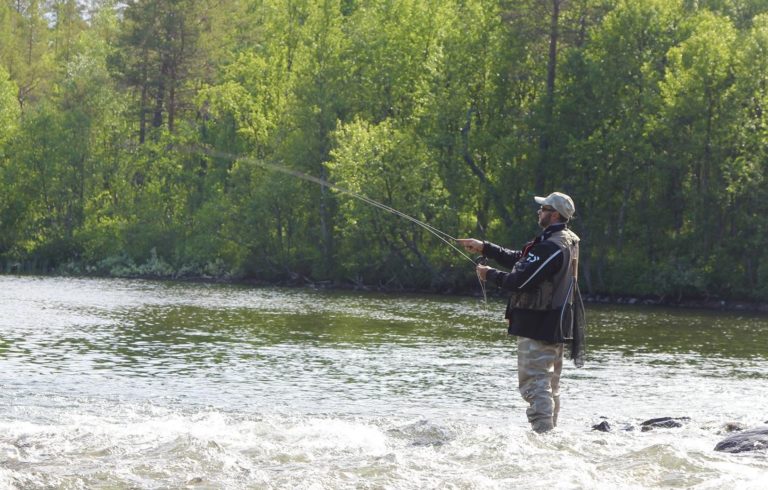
(544, 311)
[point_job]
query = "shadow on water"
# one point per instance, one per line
(145, 327)
(321, 333)
(187, 337)
(636, 330)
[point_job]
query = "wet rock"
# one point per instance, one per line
(603, 426)
(729, 427)
(748, 440)
(606, 426)
(663, 423)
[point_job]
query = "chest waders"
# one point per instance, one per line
(540, 363)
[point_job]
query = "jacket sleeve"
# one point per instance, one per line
(540, 263)
(503, 256)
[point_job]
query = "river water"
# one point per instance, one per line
(136, 384)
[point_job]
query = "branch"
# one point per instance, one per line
(479, 173)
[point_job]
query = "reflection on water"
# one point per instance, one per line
(138, 384)
(721, 334)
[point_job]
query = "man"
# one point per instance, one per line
(544, 309)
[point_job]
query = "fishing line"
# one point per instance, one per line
(441, 235)
(444, 237)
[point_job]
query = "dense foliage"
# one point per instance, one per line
(134, 137)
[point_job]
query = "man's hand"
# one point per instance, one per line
(471, 245)
(482, 271)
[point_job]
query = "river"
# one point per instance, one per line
(114, 384)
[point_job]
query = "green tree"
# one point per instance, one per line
(610, 96)
(369, 161)
(696, 121)
(744, 169)
(159, 56)
(473, 98)
(66, 28)
(9, 206)
(25, 51)
(9, 107)
(55, 161)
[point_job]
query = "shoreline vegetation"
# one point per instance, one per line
(272, 138)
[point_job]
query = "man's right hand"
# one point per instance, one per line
(471, 245)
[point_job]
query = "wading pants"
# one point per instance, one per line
(539, 365)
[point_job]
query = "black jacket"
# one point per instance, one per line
(530, 267)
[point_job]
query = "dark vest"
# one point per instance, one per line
(554, 292)
(553, 298)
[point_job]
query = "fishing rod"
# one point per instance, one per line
(441, 235)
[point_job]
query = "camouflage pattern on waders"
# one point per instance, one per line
(539, 365)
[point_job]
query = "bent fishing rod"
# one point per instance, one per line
(444, 237)
(441, 235)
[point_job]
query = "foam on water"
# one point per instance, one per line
(151, 446)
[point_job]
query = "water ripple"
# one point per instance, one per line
(137, 384)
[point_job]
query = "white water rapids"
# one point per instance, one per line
(113, 384)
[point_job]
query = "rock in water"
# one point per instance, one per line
(603, 426)
(663, 423)
(748, 440)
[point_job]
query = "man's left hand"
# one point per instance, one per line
(482, 271)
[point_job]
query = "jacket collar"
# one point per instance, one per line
(549, 230)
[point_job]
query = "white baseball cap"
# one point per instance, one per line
(562, 203)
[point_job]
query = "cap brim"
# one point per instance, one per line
(539, 200)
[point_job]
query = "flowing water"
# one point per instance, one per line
(134, 384)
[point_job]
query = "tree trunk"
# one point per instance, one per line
(549, 100)
(144, 97)
(157, 119)
(325, 226)
(172, 100)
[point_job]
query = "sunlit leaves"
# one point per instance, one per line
(655, 121)
(9, 107)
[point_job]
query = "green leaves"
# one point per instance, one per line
(131, 142)
(9, 107)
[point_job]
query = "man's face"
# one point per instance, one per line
(546, 216)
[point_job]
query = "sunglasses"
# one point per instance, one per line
(547, 209)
